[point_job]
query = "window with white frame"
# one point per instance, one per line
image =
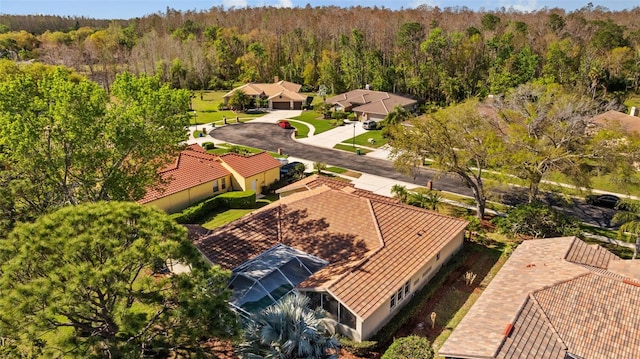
(393, 301)
(407, 288)
(223, 183)
(215, 186)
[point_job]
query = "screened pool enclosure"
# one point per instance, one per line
(263, 280)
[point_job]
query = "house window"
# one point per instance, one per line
(223, 183)
(438, 256)
(407, 288)
(399, 295)
(215, 186)
(393, 301)
(347, 318)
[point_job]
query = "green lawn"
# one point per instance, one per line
(221, 217)
(344, 147)
(206, 109)
(363, 139)
(222, 148)
(313, 118)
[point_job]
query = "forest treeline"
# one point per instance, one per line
(440, 55)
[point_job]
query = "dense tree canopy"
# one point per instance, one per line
(81, 282)
(442, 55)
(64, 141)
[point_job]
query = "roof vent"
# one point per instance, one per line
(634, 111)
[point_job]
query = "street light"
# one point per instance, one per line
(354, 134)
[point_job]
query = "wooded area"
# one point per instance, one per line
(439, 55)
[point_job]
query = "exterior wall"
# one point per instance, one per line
(421, 277)
(181, 200)
(262, 179)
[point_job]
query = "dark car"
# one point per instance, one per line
(603, 200)
(291, 168)
(284, 124)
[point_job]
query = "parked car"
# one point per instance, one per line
(291, 169)
(369, 125)
(284, 124)
(603, 200)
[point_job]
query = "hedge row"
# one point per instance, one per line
(196, 212)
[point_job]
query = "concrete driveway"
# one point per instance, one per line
(277, 115)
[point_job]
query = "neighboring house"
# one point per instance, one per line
(369, 104)
(359, 257)
(195, 175)
(556, 298)
(253, 172)
(629, 123)
(315, 181)
(280, 95)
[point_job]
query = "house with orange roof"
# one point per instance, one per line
(361, 267)
(629, 123)
(252, 172)
(280, 95)
(555, 298)
(196, 175)
(370, 104)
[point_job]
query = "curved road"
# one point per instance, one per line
(270, 137)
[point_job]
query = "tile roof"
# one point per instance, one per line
(552, 295)
(315, 181)
(626, 122)
(248, 166)
(370, 101)
(271, 90)
(373, 246)
(192, 167)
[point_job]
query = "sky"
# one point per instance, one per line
(126, 9)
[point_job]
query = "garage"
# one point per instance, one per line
(297, 105)
(280, 105)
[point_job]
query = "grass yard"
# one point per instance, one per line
(313, 118)
(350, 148)
(223, 148)
(343, 171)
(363, 139)
(206, 109)
(221, 217)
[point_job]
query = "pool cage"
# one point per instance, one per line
(263, 280)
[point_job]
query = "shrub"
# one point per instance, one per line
(409, 347)
(357, 348)
(336, 123)
(244, 199)
(536, 220)
(351, 116)
(338, 115)
(208, 145)
(196, 212)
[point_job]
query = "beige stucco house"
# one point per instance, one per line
(280, 95)
(369, 104)
(196, 175)
(361, 267)
(555, 298)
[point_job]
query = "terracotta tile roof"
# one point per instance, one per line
(372, 250)
(592, 255)
(626, 122)
(248, 166)
(192, 167)
(370, 101)
(552, 295)
(315, 181)
(289, 89)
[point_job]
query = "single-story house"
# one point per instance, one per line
(369, 104)
(361, 258)
(556, 298)
(251, 172)
(196, 175)
(280, 95)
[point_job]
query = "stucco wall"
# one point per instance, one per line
(262, 179)
(383, 314)
(181, 200)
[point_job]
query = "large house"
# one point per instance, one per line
(360, 257)
(629, 123)
(369, 104)
(556, 298)
(196, 175)
(280, 95)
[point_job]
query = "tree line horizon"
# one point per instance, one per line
(442, 56)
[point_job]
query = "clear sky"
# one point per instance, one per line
(125, 9)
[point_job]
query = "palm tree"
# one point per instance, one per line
(289, 329)
(629, 220)
(400, 192)
(398, 115)
(319, 167)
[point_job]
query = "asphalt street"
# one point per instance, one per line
(268, 136)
